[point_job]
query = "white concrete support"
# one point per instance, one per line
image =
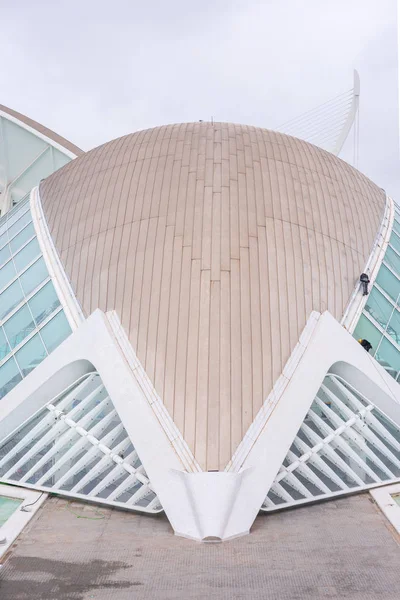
(72, 309)
(215, 505)
(388, 500)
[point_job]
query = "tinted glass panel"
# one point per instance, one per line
(4, 254)
(367, 331)
(388, 354)
(9, 377)
(16, 213)
(44, 302)
(396, 225)
(30, 355)
(24, 220)
(7, 273)
(22, 237)
(4, 347)
(394, 327)
(379, 307)
(34, 276)
(10, 298)
(27, 254)
(393, 259)
(395, 241)
(19, 326)
(389, 282)
(3, 226)
(55, 331)
(3, 239)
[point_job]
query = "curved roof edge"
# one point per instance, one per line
(58, 139)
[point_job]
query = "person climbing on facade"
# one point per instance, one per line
(365, 344)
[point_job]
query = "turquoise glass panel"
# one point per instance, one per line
(395, 241)
(16, 213)
(4, 347)
(34, 276)
(9, 377)
(7, 273)
(393, 328)
(396, 225)
(388, 354)
(388, 282)
(392, 259)
(31, 355)
(18, 225)
(20, 239)
(4, 254)
(44, 302)
(3, 239)
(19, 326)
(3, 225)
(367, 331)
(10, 298)
(55, 331)
(379, 307)
(27, 254)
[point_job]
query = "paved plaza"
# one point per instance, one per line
(73, 551)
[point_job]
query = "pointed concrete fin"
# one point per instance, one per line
(77, 446)
(344, 444)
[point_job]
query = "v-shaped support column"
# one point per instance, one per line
(199, 505)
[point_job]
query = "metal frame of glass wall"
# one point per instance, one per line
(380, 319)
(26, 156)
(32, 321)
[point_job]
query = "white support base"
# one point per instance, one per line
(383, 496)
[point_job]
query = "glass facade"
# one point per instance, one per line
(25, 158)
(67, 456)
(32, 322)
(380, 320)
(357, 447)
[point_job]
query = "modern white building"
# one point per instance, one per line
(180, 310)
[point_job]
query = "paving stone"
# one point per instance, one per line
(70, 551)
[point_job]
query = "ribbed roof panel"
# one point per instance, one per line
(213, 242)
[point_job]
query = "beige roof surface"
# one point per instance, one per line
(213, 242)
(43, 130)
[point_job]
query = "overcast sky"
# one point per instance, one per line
(93, 70)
